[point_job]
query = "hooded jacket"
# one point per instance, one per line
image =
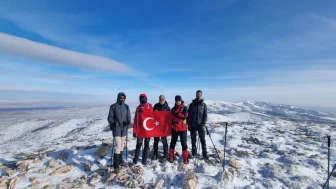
(197, 113)
(180, 114)
(118, 114)
(147, 107)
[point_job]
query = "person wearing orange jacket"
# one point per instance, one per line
(143, 107)
(179, 129)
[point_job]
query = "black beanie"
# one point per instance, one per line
(178, 97)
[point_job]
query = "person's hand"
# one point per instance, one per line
(111, 127)
(189, 127)
(176, 114)
(134, 135)
(115, 123)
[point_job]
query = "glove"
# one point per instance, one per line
(207, 130)
(111, 127)
(176, 114)
(115, 123)
(189, 127)
(126, 123)
(140, 109)
(202, 126)
(134, 135)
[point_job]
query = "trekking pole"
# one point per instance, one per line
(196, 151)
(212, 142)
(112, 150)
(328, 159)
(126, 145)
(329, 175)
(226, 124)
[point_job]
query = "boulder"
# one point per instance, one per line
(189, 180)
(234, 163)
(64, 155)
(62, 170)
(13, 182)
(103, 151)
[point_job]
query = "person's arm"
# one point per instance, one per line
(128, 115)
(205, 115)
(135, 121)
(111, 118)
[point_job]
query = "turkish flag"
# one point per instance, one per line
(154, 124)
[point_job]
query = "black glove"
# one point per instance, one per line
(207, 130)
(189, 127)
(111, 127)
(140, 109)
(126, 123)
(176, 114)
(134, 135)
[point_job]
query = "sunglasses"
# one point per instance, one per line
(162, 99)
(122, 98)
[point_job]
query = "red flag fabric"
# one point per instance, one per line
(154, 124)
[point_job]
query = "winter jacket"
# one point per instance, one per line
(180, 114)
(197, 113)
(119, 117)
(161, 107)
(147, 107)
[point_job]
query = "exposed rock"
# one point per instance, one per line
(103, 151)
(130, 184)
(64, 155)
(90, 147)
(67, 180)
(106, 143)
(62, 170)
(160, 184)
(109, 177)
(242, 154)
(33, 180)
(37, 161)
(189, 180)
(23, 165)
(53, 163)
(3, 182)
(234, 163)
(13, 182)
(46, 187)
(87, 166)
(333, 174)
(94, 179)
(9, 172)
(102, 171)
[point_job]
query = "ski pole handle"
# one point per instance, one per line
(328, 141)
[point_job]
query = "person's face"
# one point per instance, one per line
(162, 101)
(178, 102)
(199, 95)
(122, 98)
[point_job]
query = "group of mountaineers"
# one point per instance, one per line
(192, 118)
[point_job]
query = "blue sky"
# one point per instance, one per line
(273, 51)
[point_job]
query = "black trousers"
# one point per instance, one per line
(138, 147)
(183, 139)
(156, 143)
(201, 135)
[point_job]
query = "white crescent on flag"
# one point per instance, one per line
(145, 124)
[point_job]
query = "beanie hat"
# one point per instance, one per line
(178, 98)
(162, 97)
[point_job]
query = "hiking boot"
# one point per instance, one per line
(205, 156)
(171, 155)
(155, 155)
(185, 156)
(135, 160)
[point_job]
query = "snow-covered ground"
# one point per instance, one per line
(276, 146)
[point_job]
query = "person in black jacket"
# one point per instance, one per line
(162, 105)
(197, 117)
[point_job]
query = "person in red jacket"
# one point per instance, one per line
(179, 128)
(143, 107)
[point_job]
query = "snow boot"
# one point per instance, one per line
(185, 156)
(116, 162)
(205, 156)
(171, 155)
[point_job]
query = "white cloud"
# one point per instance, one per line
(38, 51)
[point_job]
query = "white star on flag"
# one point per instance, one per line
(157, 123)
